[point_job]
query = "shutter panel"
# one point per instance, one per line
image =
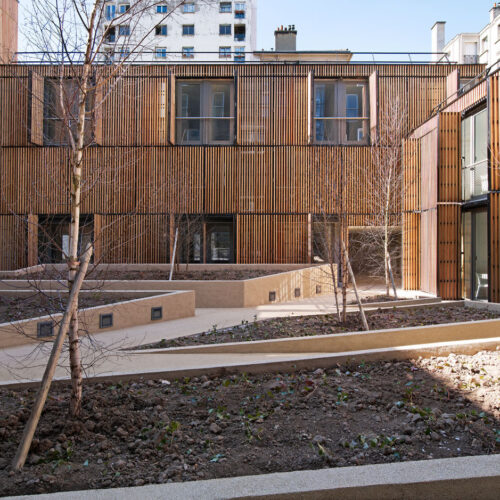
(373, 84)
(310, 107)
(32, 223)
(37, 98)
(452, 84)
(172, 107)
(98, 115)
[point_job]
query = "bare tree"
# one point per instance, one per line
(379, 241)
(72, 35)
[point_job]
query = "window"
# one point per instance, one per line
(110, 12)
(188, 29)
(124, 52)
(60, 118)
(475, 155)
(341, 112)
(161, 9)
(224, 29)
(161, 52)
(188, 8)
(239, 32)
(204, 112)
(224, 52)
(188, 52)
(124, 7)
(239, 54)
(161, 30)
(225, 7)
(124, 30)
(239, 10)
(110, 35)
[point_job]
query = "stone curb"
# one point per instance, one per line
(449, 478)
(292, 364)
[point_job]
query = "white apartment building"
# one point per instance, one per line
(470, 48)
(197, 31)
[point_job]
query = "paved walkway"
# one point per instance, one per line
(103, 353)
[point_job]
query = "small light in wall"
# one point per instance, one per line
(272, 296)
(156, 313)
(45, 329)
(318, 289)
(297, 292)
(106, 320)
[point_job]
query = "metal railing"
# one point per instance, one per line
(148, 57)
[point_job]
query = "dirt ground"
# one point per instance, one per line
(143, 432)
(303, 326)
(17, 308)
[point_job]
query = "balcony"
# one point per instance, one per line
(471, 59)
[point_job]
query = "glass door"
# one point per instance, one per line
(475, 254)
(219, 243)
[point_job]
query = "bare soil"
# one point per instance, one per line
(143, 432)
(17, 308)
(303, 326)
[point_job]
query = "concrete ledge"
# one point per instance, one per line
(488, 306)
(342, 342)
(221, 366)
(175, 305)
(449, 478)
(289, 283)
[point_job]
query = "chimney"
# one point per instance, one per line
(438, 39)
(494, 11)
(286, 39)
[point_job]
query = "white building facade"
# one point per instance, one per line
(196, 31)
(469, 48)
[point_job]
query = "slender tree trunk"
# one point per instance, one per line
(75, 406)
(31, 425)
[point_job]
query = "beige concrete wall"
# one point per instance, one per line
(357, 341)
(215, 293)
(179, 304)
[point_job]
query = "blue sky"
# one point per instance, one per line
(361, 25)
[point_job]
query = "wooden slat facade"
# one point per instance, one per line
(270, 181)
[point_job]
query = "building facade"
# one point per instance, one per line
(196, 31)
(470, 48)
(250, 158)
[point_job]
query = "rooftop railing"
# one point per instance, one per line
(148, 57)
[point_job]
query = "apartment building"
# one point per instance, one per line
(196, 31)
(470, 48)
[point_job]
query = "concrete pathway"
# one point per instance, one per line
(103, 353)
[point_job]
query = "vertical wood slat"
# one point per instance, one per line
(32, 238)
(373, 90)
(172, 107)
(37, 99)
(452, 85)
(449, 212)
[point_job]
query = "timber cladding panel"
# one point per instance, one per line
(449, 206)
(13, 242)
(494, 196)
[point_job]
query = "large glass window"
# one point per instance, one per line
(205, 112)
(60, 111)
(341, 112)
(475, 155)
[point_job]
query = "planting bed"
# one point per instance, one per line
(151, 432)
(303, 326)
(18, 308)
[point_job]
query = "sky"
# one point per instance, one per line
(369, 26)
(362, 25)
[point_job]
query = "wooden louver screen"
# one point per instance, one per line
(452, 85)
(172, 108)
(310, 107)
(37, 93)
(373, 84)
(98, 115)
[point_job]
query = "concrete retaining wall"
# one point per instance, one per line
(175, 305)
(355, 341)
(305, 282)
